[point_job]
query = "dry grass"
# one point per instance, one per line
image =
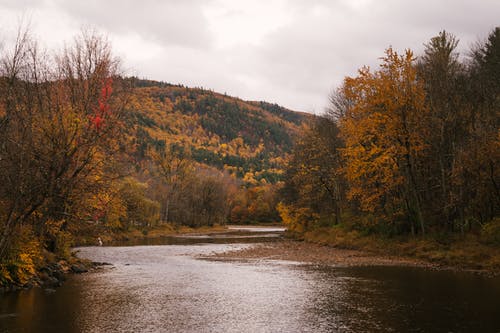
(336, 246)
(466, 253)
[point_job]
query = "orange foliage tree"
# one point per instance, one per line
(384, 133)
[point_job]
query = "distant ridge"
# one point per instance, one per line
(249, 139)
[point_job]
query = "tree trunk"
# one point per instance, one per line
(7, 231)
(167, 206)
(418, 212)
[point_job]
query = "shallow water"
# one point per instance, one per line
(168, 288)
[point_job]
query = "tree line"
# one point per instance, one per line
(412, 147)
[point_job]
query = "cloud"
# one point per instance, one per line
(327, 40)
(292, 52)
(166, 22)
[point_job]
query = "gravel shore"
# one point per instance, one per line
(306, 252)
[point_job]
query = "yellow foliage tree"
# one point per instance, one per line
(296, 219)
(384, 132)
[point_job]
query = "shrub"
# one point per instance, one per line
(19, 266)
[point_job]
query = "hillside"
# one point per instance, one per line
(248, 139)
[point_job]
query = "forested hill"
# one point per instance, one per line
(248, 139)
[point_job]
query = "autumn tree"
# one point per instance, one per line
(384, 133)
(254, 204)
(172, 169)
(139, 210)
(59, 126)
(202, 199)
(315, 186)
(210, 203)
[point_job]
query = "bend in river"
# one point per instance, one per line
(164, 286)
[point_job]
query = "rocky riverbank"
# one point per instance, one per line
(53, 274)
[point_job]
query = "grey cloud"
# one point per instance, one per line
(21, 4)
(295, 65)
(313, 54)
(179, 23)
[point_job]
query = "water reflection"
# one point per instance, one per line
(406, 299)
(166, 289)
(37, 310)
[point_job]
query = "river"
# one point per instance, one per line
(165, 286)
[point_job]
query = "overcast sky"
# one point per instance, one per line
(288, 52)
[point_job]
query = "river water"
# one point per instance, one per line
(169, 288)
